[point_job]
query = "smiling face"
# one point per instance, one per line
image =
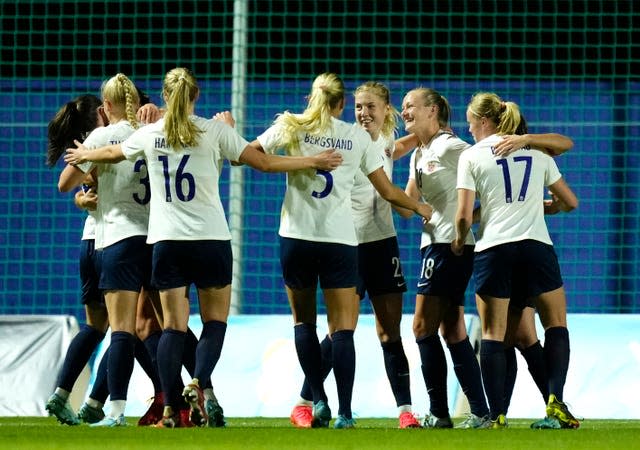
(419, 118)
(370, 111)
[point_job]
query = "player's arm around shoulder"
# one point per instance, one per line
(255, 156)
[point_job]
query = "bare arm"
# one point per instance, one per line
(396, 196)
(464, 219)
(564, 197)
(412, 191)
(254, 156)
(106, 154)
(553, 143)
(404, 145)
(70, 177)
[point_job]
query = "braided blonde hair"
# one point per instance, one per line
(123, 95)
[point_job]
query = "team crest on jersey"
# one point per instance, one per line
(431, 166)
(387, 151)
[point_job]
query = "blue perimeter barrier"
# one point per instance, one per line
(597, 245)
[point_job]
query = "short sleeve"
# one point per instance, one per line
(133, 146)
(553, 173)
(270, 139)
(465, 175)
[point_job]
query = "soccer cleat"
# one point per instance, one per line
(342, 423)
(548, 423)
(215, 414)
(302, 416)
(500, 422)
(185, 421)
(321, 415)
(90, 414)
(172, 421)
(431, 421)
(60, 408)
(194, 397)
(110, 422)
(408, 420)
(473, 421)
(559, 410)
(154, 413)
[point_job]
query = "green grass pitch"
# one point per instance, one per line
(273, 433)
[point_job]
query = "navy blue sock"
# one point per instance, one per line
(310, 358)
(189, 358)
(120, 364)
(326, 351)
(397, 368)
(511, 372)
(78, 354)
(151, 344)
(493, 367)
(209, 348)
(170, 348)
(189, 355)
(467, 369)
(556, 356)
(434, 372)
(100, 388)
(534, 356)
(148, 364)
(344, 369)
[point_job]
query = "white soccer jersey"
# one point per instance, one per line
(510, 190)
(317, 204)
(123, 202)
(89, 229)
(371, 213)
(434, 168)
(185, 197)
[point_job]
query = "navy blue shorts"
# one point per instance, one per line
(523, 269)
(379, 268)
(90, 268)
(305, 262)
(126, 265)
(206, 263)
(443, 274)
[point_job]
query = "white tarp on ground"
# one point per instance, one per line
(258, 373)
(32, 349)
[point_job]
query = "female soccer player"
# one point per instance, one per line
(74, 121)
(513, 241)
(443, 276)
(318, 238)
(379, 269)
(121, 231)
(184, 155)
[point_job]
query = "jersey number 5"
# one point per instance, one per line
(328, 186)
(507, 177)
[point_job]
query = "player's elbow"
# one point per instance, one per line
(64, 186)
(570, 205)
